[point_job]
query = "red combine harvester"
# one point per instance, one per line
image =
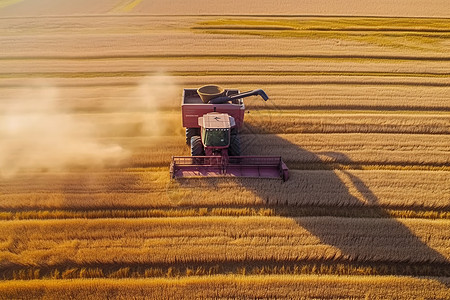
(213, 117)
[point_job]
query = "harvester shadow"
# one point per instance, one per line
(330, 201)
(332, 189)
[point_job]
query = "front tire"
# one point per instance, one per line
(197, 146)
(190, 132)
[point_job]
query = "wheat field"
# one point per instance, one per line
(90, 117)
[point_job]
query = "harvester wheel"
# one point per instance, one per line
(190, 132)
(197, 146)
(235, 146)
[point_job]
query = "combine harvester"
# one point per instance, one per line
(213, 117)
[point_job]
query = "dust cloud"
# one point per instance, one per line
(151, 96)
(38, 133)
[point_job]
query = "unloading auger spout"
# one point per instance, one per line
(225, 99)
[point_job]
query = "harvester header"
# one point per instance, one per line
(213, 117)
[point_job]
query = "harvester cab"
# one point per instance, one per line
(215, 133)
(212, 117)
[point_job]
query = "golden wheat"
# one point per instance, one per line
(282, 122)
(354, 149)
(229, 286)
(285, 211)
(207, 239)
(309, 93)
(233, 64)
(136, 126)
(319, 151)
(152, 188)
(362, 124)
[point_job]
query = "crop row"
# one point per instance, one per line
(169, 35)
(117, 270)
(316, 151)
(152, 189)
(355, 287)
(116, 94)
(319, 151)
(238, 65)
(285, 122)
(353, 149)
(42, 243)
(299, 151)
(192, 211)
(272, 121)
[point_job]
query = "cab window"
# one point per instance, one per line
(216, 137)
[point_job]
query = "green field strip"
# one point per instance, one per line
(230, 211)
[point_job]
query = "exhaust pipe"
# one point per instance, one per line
(224, 99)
